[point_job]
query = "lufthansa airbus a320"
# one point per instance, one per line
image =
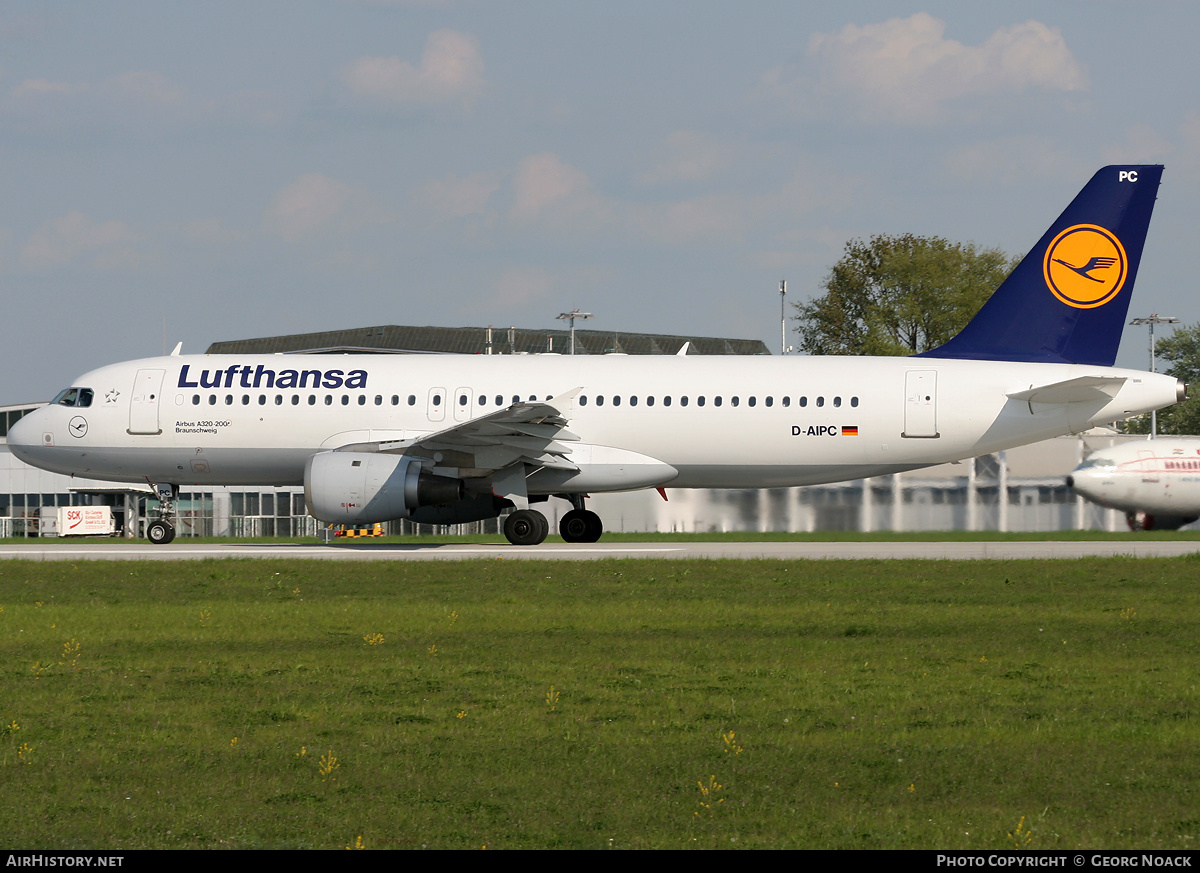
(446, 439)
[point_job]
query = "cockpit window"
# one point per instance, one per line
(1098, 462)
(74, 397)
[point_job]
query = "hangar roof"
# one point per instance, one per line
(404, 339)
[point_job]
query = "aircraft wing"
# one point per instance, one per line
(1080, 390)
(533, 432)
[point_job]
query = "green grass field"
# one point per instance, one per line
(624, 704)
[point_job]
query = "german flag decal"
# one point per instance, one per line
(850, 430)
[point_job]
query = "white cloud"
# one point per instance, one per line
(547, 187)
(209, 232)
(1142, 145)
(518, 286)
(146, 85)
(1013, 159)
(451, 69)
(138, 86)
(33, 88)
(905, 69)
(306, 206)
(688, 156)
(453, 197)
(74, 236)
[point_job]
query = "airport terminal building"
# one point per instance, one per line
(1019, 490)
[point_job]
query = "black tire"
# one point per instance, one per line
(526, 527)
(580, 526)
(160, 533)
(573, 527)
(595, 527)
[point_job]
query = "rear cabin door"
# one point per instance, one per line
(920, 404)
(145, 401)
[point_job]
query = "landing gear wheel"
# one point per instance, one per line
(160, 533)
(526, 527)
(580, 526)
(1139, 520)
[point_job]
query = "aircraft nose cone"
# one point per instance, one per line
(24, 436)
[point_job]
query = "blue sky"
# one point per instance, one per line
(256, 168)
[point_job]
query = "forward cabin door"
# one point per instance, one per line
(920, 404)
(145, 401)
(1149, 464)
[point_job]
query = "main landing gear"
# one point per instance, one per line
(162, 530)
(580, 526)
(528, 527)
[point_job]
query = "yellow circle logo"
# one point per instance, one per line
(1085, 266)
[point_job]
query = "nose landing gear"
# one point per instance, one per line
(162, 530)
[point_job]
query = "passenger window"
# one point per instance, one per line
(854, 401)
(617, 400)
(195, 400)
(499, 400)
(412, 399)
(279, 400)
(751, 401)
(345, 400)
(649, 401)
(734, 401)
(329, 400)
(633, 401)
(245, 400)
(599, 399)
(717, 400)
(803, 402)
(462, 399)
(787, 401)
(312, 399)
(362, 399)
(837, 402)
(700, 400)
(770, 401)
(395, 400)
(820, 401)
(212, 399)
(262, 399)
(583, 400)
(379, 400)
(667, 401)
(229, 400)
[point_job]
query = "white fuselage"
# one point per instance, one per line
(719, 422)
(1159, 477)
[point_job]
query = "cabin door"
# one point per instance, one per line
(1149, 465)
(920, 404)
(145, 401)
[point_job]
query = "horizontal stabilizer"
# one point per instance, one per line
(1085, 389)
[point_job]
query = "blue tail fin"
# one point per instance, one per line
(1066, 301)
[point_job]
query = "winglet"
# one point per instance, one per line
(1067, 300)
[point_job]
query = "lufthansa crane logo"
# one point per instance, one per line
(1085, 266)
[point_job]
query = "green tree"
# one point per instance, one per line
(899, 295)
(1181, 354)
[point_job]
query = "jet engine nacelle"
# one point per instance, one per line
(368, 487)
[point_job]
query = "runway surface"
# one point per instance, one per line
(786, 551)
